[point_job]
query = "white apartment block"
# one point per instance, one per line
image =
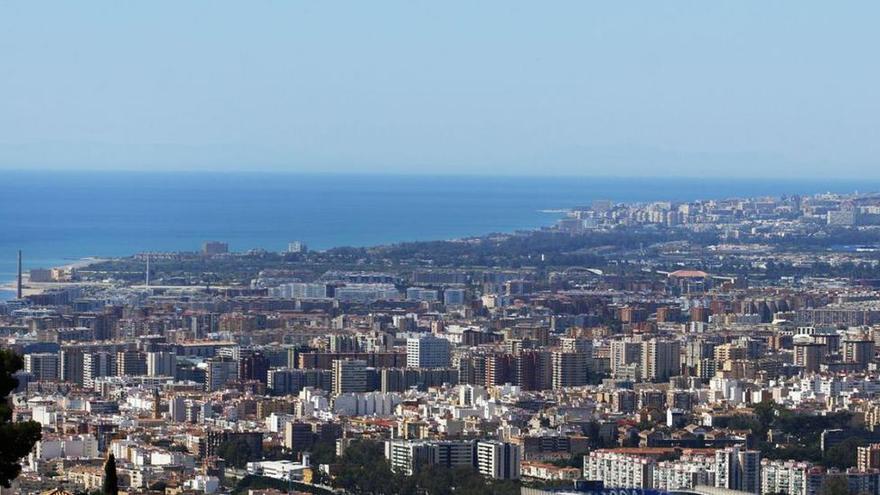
(620, 470)
(498, 460)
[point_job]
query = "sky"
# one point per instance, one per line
(651, 88)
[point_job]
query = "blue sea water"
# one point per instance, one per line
(57, 217)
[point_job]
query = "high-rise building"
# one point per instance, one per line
(846, 216)
(215, 247)
(177, 409)
(254, 366)
(97, 364)
(699, 314)
(283, 381)
(402, 379)
(343, 343)
(298, 436)
(43, 366)
(858, 352)
(219, 372)
(619, 470)
(420, 294)
(454, 297)
(696, 350)
(571, 344)
(131, 363)
(202, 324)
(624, 353)
(661, 359)
(738, 469)
(728, 352)
(296, 247)
(366, 293)
(706, 368)
(427, 351)
(500, 369)
(534, 370)
(684, 474)
(71, 365)
(868, 457)
(300, 290)
(668, 314)
(624, 401)
(569, 369)
(809, 356)
(349, 375)
(498, 460)
(408, 456)
(790, 477)
(633, 314)
(161, 363)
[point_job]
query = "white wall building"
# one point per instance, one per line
(366, 404)
(498, 460)
(427, 351)
(738, 469)
(619, 470)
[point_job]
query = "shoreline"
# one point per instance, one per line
(32, 288)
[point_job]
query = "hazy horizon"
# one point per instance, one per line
(736, 90)
(641, 183)
(415, 174)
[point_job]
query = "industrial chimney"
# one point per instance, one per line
(18, 285)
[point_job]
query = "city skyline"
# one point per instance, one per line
(458, 248)
(666, 346)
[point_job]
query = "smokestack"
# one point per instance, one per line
(18, 286)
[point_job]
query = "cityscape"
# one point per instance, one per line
(710, 347)
(397, 247)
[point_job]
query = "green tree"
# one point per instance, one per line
(17, 439)
(576, 460)
(766, 415)
(323, 452)
(843, 455)
(834, 485)
(111, 483)
(363, 469)
(237, 452)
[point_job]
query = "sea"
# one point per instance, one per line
(59, 217)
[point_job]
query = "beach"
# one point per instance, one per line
(7, 289)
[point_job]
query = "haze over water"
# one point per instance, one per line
(56, 217)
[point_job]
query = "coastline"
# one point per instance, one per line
(117, 214)
(32, 288)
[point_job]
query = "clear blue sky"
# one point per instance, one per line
(736, 88)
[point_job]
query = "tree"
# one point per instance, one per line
(834, 485)
(323, 452)
(363, 469)
(111, 483)
(236, 452)
(17, 439)
(320, 477)
(843, 455)
(576, 460)
(766, 414)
